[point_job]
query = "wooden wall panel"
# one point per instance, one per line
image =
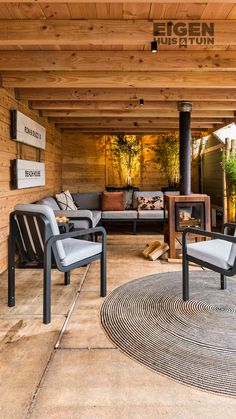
(10, 150)
(84, 164)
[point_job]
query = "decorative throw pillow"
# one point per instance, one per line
(65, 201)
(150, 203)
(113, 201)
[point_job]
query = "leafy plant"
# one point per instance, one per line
(229, 165)
(166, 152)
(125, 150)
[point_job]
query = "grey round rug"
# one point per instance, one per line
(193, 342)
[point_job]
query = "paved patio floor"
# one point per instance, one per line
(69, 369)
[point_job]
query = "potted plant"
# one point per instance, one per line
(166, 154)
(125, 154)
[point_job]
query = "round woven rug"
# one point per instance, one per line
(193, 342)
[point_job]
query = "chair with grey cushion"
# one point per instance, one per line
(218, 254)
(35, 234)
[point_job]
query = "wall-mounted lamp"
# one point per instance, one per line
(154, 46)
(141, 102)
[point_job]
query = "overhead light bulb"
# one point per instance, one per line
(154, 46)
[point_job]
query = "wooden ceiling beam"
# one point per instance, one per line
(121, 128)
(96, 32)
(152, 94)
(124, 60)
(119, 121)
(128, 105)
(139, 113)
(196, 132)
(113, 1)
(119, 79)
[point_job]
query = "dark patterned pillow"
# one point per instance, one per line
(65, 201)
(150, 203)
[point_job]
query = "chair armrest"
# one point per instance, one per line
(81, 215)
(74, 214)
(74, 234)
(212, 234)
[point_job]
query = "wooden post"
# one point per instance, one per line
(225, 188)
(232, 195)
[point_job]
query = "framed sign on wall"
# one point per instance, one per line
(28, 174)
(27, 131)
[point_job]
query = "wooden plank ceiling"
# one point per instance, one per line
(86, 65)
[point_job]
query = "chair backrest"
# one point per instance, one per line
(232, 255)
(31, 231)
(50, 202)
(137, 194)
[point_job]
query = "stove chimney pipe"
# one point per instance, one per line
(185, 109)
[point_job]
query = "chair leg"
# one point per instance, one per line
(47, 294)
(96, 237)
(11, 272)
(134, 227)
(185, 274)
(67, 278)
(223, 282)
(103, 280)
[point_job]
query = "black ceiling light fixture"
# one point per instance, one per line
(141, 102)
(154, 46)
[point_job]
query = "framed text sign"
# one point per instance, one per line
(29, 174)
(26, 130)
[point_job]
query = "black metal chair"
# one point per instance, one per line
(35, 234)
(218, 255)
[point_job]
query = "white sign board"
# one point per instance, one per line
(29, 174)
(27, 131)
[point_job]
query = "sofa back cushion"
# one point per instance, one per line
(145, 194)
(88, 200)
(50, 202)
(113, 201)
(149, 203)
(65, 201)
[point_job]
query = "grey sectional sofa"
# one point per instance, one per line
(90, 213)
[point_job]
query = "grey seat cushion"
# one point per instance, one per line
(137, 194)
(97, 215)
(151, 215)
(119, 215)
(232, 255)
(215, 252)
(50, 202)
(88, 200)
(77, 250)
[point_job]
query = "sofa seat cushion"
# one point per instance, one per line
(215, 252)
(151, 215)
(77, 250)
(119, 215)
(96, 217)
(50, 202)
